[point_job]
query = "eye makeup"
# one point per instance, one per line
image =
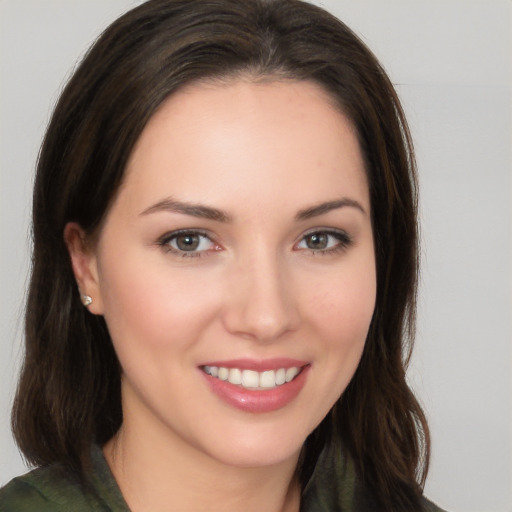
(188, 243)
(324, 241)
(193, 243)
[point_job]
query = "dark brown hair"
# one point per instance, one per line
(69, 391)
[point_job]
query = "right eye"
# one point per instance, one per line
(188, 243)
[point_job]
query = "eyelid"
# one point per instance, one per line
(344, 239)
(164, 242)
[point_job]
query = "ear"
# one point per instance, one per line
(85, 266)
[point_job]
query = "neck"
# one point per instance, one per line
(158, 474)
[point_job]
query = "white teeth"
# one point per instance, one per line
(268, 379)
(251, 379)
(291, 373)
(212, 370)
(235, 376)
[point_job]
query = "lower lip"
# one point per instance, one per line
(257, 401)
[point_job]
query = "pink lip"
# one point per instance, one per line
(258, 365)
(260, 401)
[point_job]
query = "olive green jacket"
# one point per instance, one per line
(49, 490)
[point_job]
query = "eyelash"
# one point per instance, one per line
(344, 241)
(165, 241)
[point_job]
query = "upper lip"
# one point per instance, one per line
(258, 365)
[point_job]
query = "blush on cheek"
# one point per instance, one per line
(161, 313)
(349, 310)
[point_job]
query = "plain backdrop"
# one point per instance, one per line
(451, 63)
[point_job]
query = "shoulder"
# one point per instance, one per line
(46, 490)
(18, 495)
(334, 486)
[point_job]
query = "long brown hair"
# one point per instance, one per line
(69, 390)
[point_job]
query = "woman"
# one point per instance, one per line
(224, 279)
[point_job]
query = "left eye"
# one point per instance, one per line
(323, 241)
(189, 242)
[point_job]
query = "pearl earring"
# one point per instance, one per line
(86, 299)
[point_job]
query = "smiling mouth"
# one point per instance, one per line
(251, 379)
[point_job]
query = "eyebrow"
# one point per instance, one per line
(328, 206)
(207, 212)
(193, 209)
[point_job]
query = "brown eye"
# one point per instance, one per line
(187, 242)
(325, 242)
(317, 241)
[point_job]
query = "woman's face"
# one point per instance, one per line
(239, 247)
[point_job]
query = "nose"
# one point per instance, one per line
(261, 304)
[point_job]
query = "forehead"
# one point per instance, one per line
(209, 141)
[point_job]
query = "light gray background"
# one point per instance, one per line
(451, 62)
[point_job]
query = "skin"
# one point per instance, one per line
(257, 287)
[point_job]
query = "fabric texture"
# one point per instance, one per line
(51, 490)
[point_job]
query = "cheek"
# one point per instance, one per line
(344, 305)
(342, 311)
(153, 306)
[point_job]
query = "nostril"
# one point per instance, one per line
(262, 323)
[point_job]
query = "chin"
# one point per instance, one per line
(258, 446)
(258, 457)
